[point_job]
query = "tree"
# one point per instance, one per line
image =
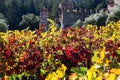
(78, 23)
(32, 8)
(90, 20)
(55, 8)
(91, 4)
(14, 9)
(3, 25)
(98, 19)
(13, 14)
(101, 18)
(2, 6)
(101, 5)
(29, 20)
(114, 15)
(2, 17)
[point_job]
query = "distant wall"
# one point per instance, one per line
(113, 4)
(69, 17)
(43, 17)
(117, 2)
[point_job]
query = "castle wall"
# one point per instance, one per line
(68, 15)
(117, 2)
(71, 16)
(113, 4)
(43, 17)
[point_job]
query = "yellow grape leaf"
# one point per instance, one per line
(112, 77)
(99, 78)
(102, 53)
(89, 74)
(95, 58)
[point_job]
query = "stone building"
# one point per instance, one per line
(43, 16)
(112, 4)
(117, 2)
(68, 15)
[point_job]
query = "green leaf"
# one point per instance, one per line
(75, 70)
(79, 70)
(118, 51)
(42, 72)
(81, 74)
(19, 77)
(13, 77)
(83, 69)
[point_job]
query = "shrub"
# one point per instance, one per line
(3, 25)
(29, 20)
(87, 53)
(114, 15)
(98, 19)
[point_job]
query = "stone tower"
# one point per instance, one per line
(63, 7)
(68, 15)
(117, 2)
(43, 16)
(112, 4)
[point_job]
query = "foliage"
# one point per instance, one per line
(102, 5)
(29, 20)
(81, 71)
(78, 23)
(91, 20)
(15, 9)
(3, 25)
(2, 17)
(114, 15)
(23, 7)
(98, 19)
(74, 53)
(58, 74)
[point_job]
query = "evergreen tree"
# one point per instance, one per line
(2, 6)
(14, 9)
(32, 8)
(13, 14)
(3, 23)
